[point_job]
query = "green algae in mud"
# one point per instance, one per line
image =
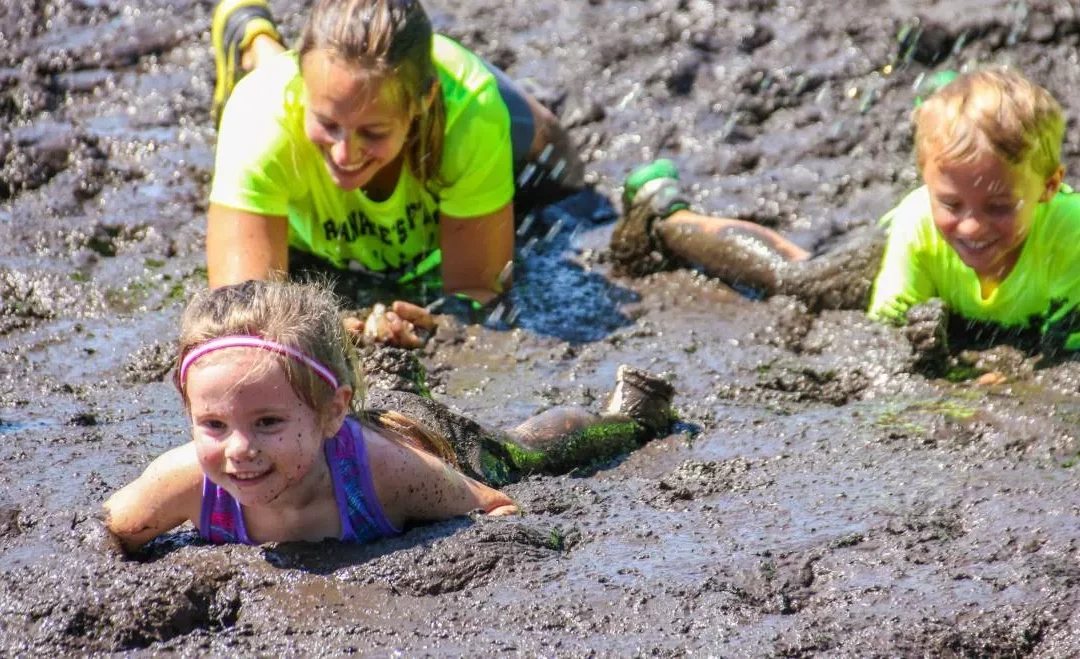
(963, 373)
(130, 297)
(583, 449)
(904, 417)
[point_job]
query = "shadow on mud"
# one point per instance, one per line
(556, 293)
(315, 557)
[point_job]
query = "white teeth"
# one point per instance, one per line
(349, 169)
(970, 244)
(247, 475)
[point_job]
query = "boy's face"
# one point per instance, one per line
(984, 209)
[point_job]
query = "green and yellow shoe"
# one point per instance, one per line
(236, 24)
(651, 192)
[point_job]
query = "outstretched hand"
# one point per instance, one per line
(396, 326)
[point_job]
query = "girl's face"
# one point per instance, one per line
(984, 209)
(359, 128)
(253, 435)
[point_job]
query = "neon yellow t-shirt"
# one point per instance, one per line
(265, 164)
(919, 264)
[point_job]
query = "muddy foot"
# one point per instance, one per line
(651, 192)
(643, 397)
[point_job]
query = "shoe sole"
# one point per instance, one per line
(231, 21)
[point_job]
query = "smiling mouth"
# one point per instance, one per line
(975, 245)
(248, 477)
(348, 169)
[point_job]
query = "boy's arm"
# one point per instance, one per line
(414, 485)
(167, 494)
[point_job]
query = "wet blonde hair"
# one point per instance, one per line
(300, 316)
(306, 317)
(385, 41)
(996, 110)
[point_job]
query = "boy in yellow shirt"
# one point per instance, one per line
(993, 232)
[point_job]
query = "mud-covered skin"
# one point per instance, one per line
(834, 503)
(556, 441)
(397, 369)
(927, 328)
(840, 277)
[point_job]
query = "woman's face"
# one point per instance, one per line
(358, 126)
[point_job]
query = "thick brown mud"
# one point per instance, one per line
(830, 492)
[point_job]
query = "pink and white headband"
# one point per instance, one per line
(242, 341)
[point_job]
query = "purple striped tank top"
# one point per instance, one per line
(362, 516)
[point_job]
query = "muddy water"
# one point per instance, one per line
(823, 496)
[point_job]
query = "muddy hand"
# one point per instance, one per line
(100, 539)
(397, 327)
(417, 315)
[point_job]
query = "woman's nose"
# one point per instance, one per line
(346, 151)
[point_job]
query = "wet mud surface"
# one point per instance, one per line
(831, 490)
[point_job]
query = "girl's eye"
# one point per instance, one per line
(950, 206)
(212, 425)
(1001, 209)
(268, 422)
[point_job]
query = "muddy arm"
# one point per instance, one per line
(167, 494)
(414, 485)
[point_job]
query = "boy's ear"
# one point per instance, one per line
(336, 410)
(1053, 184)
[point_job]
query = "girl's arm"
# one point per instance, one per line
(167, 494)
(475, 250)
(414, 485)
(242, 245)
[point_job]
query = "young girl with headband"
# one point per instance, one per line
(268, 379)
(375, 146)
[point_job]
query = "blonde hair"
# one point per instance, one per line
(382, 41)
(306, 317)
(996, 110)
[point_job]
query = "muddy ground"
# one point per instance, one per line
(823, 497)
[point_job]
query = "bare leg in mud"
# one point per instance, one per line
(732, 250)
(553, 442)
(658, 231)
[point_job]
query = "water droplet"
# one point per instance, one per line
(496, 314)
(526, 224)
(527, 249)
(555, 228)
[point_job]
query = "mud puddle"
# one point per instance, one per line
(821, 497)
